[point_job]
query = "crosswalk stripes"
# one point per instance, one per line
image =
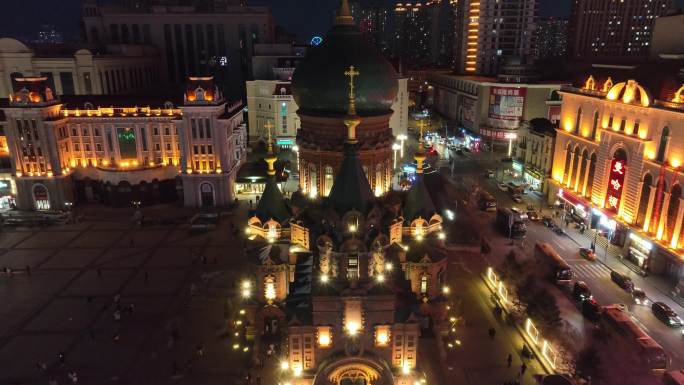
(590, 270)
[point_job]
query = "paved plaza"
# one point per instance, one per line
(173, 290)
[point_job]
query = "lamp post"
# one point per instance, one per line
(402, 138)
(395, 148)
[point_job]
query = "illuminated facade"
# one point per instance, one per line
(613, 30)
(346, 291)
(492, 31)
(492, 109)
(617, 151)
(115, 151)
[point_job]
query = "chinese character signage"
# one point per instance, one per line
(615, 185)
(506, 103)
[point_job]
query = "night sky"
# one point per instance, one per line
(303, 17)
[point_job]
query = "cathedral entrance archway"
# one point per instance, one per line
(355, 371)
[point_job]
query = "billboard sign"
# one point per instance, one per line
(615, 185)
(507, 103)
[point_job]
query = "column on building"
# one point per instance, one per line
(649, 208)
(662, 222)
(678, 225)
(587, 165)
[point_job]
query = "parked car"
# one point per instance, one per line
(591, 309)
(533, 216)
(622, 280)
(521, 214)
(587, 254)
(548, 221)
(517, 198)
(580, 291)
(503, 187)
(640, 296)
(665, 314)
(489, 174)
(558, 230)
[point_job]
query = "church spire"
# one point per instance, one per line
(344, 16)
(270, 156)
(420, 153)
(352, 120)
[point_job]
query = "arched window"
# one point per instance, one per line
(582, 170)
(328, 180)
(673, 209)
(313, 180)
(643, 199)
(575, 169)
(423, 284)
(635, 131)
(590, 178)
(664, 139)
(578, 120)
(594, 125)
(568, 155)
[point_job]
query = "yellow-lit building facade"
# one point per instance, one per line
(122, 150)
(617, 167)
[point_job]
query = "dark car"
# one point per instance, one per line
(591, 309)
(665, 314)
(558, 230)
(580, 291)
(639, 296)
(622, 280)
(587, 254)
(547, 221)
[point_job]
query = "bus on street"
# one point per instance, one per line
(559, 270)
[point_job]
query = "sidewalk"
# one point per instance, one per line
(657, 288)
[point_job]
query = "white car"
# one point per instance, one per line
(503, 187)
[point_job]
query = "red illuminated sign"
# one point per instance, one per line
(615, 185)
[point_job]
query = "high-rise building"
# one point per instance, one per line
(191, 39)
(372, 17)
(493, 30)
(613, 30)
(425, 31)
(551, 38)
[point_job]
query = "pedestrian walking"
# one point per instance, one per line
(509, 360)
(61, 358)
(492, 333)
(523, 368)
(117, 315)
(200, 350)
(258, 380)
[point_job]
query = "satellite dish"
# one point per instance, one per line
(316, 40)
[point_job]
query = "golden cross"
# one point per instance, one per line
(351, 73)
(421, 125)
(268, 126)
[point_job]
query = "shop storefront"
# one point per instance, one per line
(639, 251)
(533, 179)
(6, 194)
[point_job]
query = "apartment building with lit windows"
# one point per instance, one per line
(493, 31)
(613, 31)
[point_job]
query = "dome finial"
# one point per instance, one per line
(270, 158)
(344, 16)
(420, 153)
(352, 121)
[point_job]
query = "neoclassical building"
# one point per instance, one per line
(123, 150)
(618, 161)
(320, 87)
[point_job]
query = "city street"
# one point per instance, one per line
(596, 274)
